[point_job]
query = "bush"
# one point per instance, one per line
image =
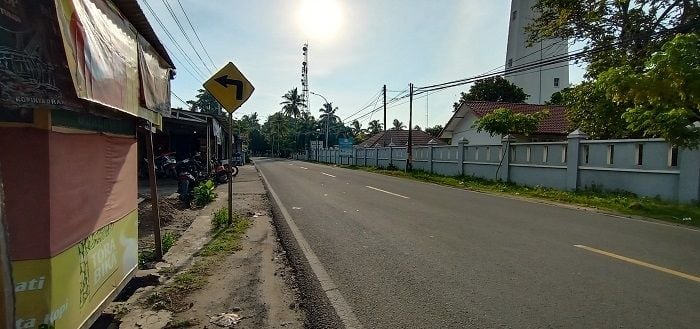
(204, 193)
(168, 241)
(219, 219)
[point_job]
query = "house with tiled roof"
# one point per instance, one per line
(553, 127)
(400, 138)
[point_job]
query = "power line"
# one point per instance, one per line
(373, 99)
(178, 97)
(187, 38)
(183, 64)
(170, 36)
(196, 34)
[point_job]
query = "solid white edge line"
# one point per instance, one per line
(304, 168)
(387, 192)
(342, 308)
(329, 175)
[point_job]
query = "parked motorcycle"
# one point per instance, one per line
(165, 166)
(219, 172)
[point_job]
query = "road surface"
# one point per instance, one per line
(406, 254)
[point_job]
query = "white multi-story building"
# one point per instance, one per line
(539, 82)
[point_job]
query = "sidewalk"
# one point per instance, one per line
(254, 283)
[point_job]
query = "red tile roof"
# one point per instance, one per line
(554, 123)
(399, 138)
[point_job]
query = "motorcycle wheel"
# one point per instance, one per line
(222, 178)
(234, 171)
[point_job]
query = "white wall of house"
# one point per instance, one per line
(464, 130)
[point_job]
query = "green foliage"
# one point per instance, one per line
(205, 102)
(398, 125)
(293, 103)
(219, 219)
(503, 121)
(168, 241)
(588, 108)
(496, 89)
(604, 23)
(204, 193)
(227, 240)
(375, 127)
(146, 256)
(434, 131)
(664, 99)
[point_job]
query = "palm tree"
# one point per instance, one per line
(356, 128)
(328, 117)
(292, 104)
(398, 125)
(375, 127)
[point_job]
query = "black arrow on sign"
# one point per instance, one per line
(225, 81)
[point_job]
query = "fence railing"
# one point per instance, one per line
(646, 167)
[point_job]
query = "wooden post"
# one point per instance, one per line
(208, 146)
(155, 212)
(6, 287)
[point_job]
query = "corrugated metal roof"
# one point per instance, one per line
(132, 11)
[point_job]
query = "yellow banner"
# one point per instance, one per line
(64, 291)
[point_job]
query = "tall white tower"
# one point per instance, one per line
(539, 82)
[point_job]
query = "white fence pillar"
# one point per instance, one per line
(430, 159)
(689, 178)
(460, 155)
(504, 169)
(572, 158)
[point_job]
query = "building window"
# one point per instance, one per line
(611, 154)
(556, 82)
(510, 62)
(514, 15)
(545, 153)
(585, 154)
(673, 156)
(639, 154)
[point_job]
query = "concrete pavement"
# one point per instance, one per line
(417, 255)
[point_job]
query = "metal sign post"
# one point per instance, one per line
(230, 167)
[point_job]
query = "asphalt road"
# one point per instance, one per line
(426, 256)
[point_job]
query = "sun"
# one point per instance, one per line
(320, 19)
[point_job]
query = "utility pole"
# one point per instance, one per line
(384, 89)
(409, 149)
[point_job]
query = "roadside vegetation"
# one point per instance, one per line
(225, 240)
(614, 202)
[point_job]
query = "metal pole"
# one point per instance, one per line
(155, 211)
(230, 167)
(409, 150)
(384, 89)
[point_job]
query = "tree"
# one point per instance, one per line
(375, 127)
(356, 128)
(496, 89)
(630, 30)
(589, 109)
(503, 121)
(557, 98)
(398, 125)
(417, 127)
(328, 118)
(664, 98)
(293, 103)
(205, 103)
(434, 131)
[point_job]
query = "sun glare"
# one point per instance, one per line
(320, 19)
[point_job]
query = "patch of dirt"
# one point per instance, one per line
(256, 282)
(174, 217)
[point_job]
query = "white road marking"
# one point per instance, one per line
(296, 208)
(341, 306)
(329, 175)
(304, 168)
(387, 192)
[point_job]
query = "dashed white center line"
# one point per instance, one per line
(304, 168)
(329, 175)
(387, 192)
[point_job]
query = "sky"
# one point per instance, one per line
(355, 47)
